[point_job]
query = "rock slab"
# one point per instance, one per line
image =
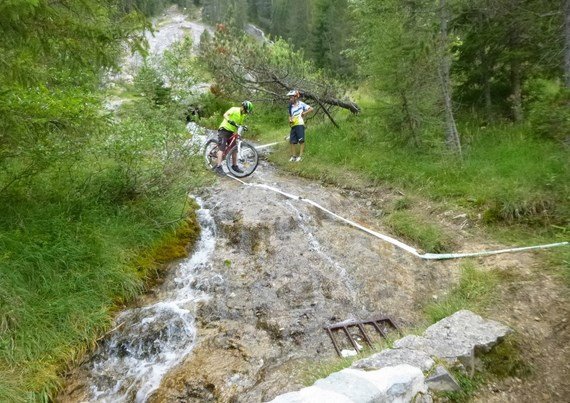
(391, 384)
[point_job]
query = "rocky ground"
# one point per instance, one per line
(283, 269)
(289, 269)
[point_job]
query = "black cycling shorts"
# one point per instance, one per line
(223, 138)
(297, 134)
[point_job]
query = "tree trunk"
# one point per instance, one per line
(488, 99)
(567, 47)
(486, 84)
(412, 121)
(516, 96)
(451, 134)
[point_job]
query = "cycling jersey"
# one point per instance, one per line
(233, 114)
(295, 111)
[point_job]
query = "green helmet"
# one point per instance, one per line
(247, 106)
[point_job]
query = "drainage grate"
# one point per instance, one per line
(382, 325)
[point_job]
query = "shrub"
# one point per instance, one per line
(550, 111)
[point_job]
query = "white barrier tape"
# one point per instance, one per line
(395, 242)
(491, 252)
(267, 145)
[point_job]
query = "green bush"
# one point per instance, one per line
(148, 83)
(550, 111)
(85, 234)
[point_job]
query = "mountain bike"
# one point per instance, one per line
(247, 157)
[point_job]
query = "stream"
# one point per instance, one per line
(150, 340)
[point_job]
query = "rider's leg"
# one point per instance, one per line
(293, 143)
(223, 136)
(219, 158)
(293, 150)
(235, 166)
(293, 140)
(301, 137)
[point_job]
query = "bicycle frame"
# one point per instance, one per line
(238, 153)
(234, 138)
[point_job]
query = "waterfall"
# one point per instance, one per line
(151, 340)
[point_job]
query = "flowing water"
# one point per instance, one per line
(314, 245)
(150, 340)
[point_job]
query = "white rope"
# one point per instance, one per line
(395, 242)
(266, 145)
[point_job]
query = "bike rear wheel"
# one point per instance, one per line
(211, 153)
(246, 160)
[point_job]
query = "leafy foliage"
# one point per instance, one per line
(42, 37)
(243, 67)
(42, 126)
(503, 42)
(549, 113)
(153, 7)
(331, 33)
(147, 152)
(52, 57)
(476, 290)
(233, 12)
(85, 194)
(396, 52)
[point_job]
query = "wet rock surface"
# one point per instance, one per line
(282, 270)
(398, 374)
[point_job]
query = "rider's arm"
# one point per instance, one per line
(227, 117)
(233, 117)
(309, 110)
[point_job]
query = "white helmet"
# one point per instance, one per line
(293, 93)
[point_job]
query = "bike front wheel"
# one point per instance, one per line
(211, 153)
(246, 159)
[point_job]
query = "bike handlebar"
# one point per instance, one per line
(241, 129)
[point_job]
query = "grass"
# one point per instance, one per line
(80, 240)
(315, 370)
(475, 292)
(505, 360)
(509, 181)
(422, 232)
(65, 267)
(506, 172)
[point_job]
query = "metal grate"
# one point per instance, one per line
(381, 324)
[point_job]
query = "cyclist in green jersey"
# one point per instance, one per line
(233, 118)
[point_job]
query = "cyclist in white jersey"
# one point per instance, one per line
(297, 110)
